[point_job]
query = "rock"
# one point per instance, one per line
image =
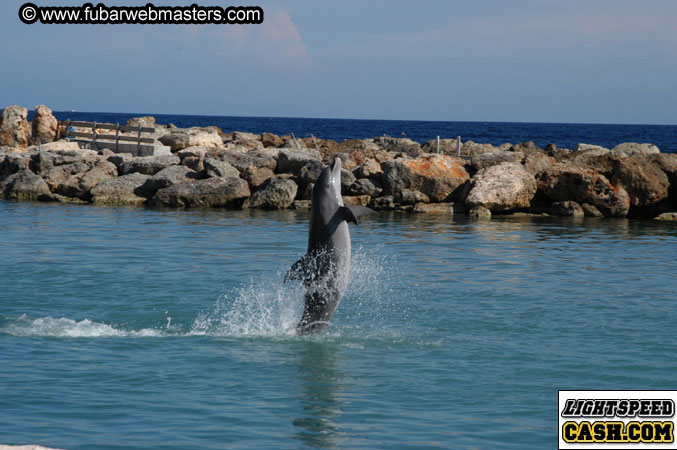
(24, 186)
(292, 162)
(590, 210)
(380, 203)
(79, 184)
(273, 194)
(644, 180)
(586, 147)
(44, 126)
(301, 205)
(144, 122)
(348, 160)
(271, 140)
(14, 128)
(479, 212)
(671, 216)
(470, 148)
(365, 186)
(148, 165)
(563, 182)
(247, 140)
(168, 176)
(566, 209)
(241, 161)
(589, 156)
(356, 200)
(327, 147)
(119, 159)
(256, 176)
(632, 148)
(484, 160)
(439, 208)
(365, 146)
(347, 179)
(64, 147)
(537, 162)
(58, 198)
(309, 173)
(526, 148)
(411, 197)
(440, 177)
(178, 139)
(505, 187)
(447, 147)
(399, 145)
(14, 162)
(211, 192)
(369, 169)
(193, 157)
(219, 168)
(123, 190)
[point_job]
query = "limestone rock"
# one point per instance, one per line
(271, 140)
(44, 126)
(178, 139)
(668, 216)
(537, 162)
(123, 190)
(256, 176)
(273, 194)
(563, 182)
(380, 203)
(79, 184)
(440, 208)
(219, 168)
(484, 160)
(369, 169)
(365, 186)
(241, 161)
(168, 176)
(148, 165)
(193, 157)
(292, 162)
(14, 128)
(566, 209)
(399, 145)
(590, 210)
(504, 187)
(24, 186)
(211, 192)
(644, 180)
(301, 205)
(356, 200)
(411, 197)
(440, 177)
(479, 212)
(632, 148)
(144, 122)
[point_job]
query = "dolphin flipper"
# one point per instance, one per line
(351, 213)
(298, 270)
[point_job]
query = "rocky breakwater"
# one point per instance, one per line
(210, 168)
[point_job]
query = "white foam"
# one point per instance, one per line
(69, 328)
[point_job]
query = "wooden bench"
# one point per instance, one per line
(136, 144)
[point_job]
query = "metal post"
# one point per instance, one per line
(315, 142)
(295, 143)
(95, 147)
(117, 137)
(438, 144)
(138, 142)
(458, 146)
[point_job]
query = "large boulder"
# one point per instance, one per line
(80, 184)
(148, 165)
(15, 130)
(271, 140)
(537, 162)
(210, 192)
(168, 176)
(14, 162)
(399, 145)
(292, 161)
(44, 126)
(562, 182)
(144, 122)
(273, 194)
(484, 160)
(256, 158)
(124, 190)
(440, 177)
(220, 168)
(365, 186)
(369, 169)
(504, 187)
(178, 139)
(23, 186)
(255, 176)
(643, 179)
(633, 148)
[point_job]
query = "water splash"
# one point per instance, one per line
(69, 328)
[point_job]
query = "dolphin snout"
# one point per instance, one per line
(336, 165)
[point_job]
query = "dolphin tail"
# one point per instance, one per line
(351, 213)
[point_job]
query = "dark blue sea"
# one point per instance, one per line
(565, 135)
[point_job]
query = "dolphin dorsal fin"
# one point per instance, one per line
(351, 213)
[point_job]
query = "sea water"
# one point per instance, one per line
(144, 328)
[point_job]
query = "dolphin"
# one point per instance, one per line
(325, 268)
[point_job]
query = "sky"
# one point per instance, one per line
(581, 61)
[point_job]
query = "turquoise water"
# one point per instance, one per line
(164, 329)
